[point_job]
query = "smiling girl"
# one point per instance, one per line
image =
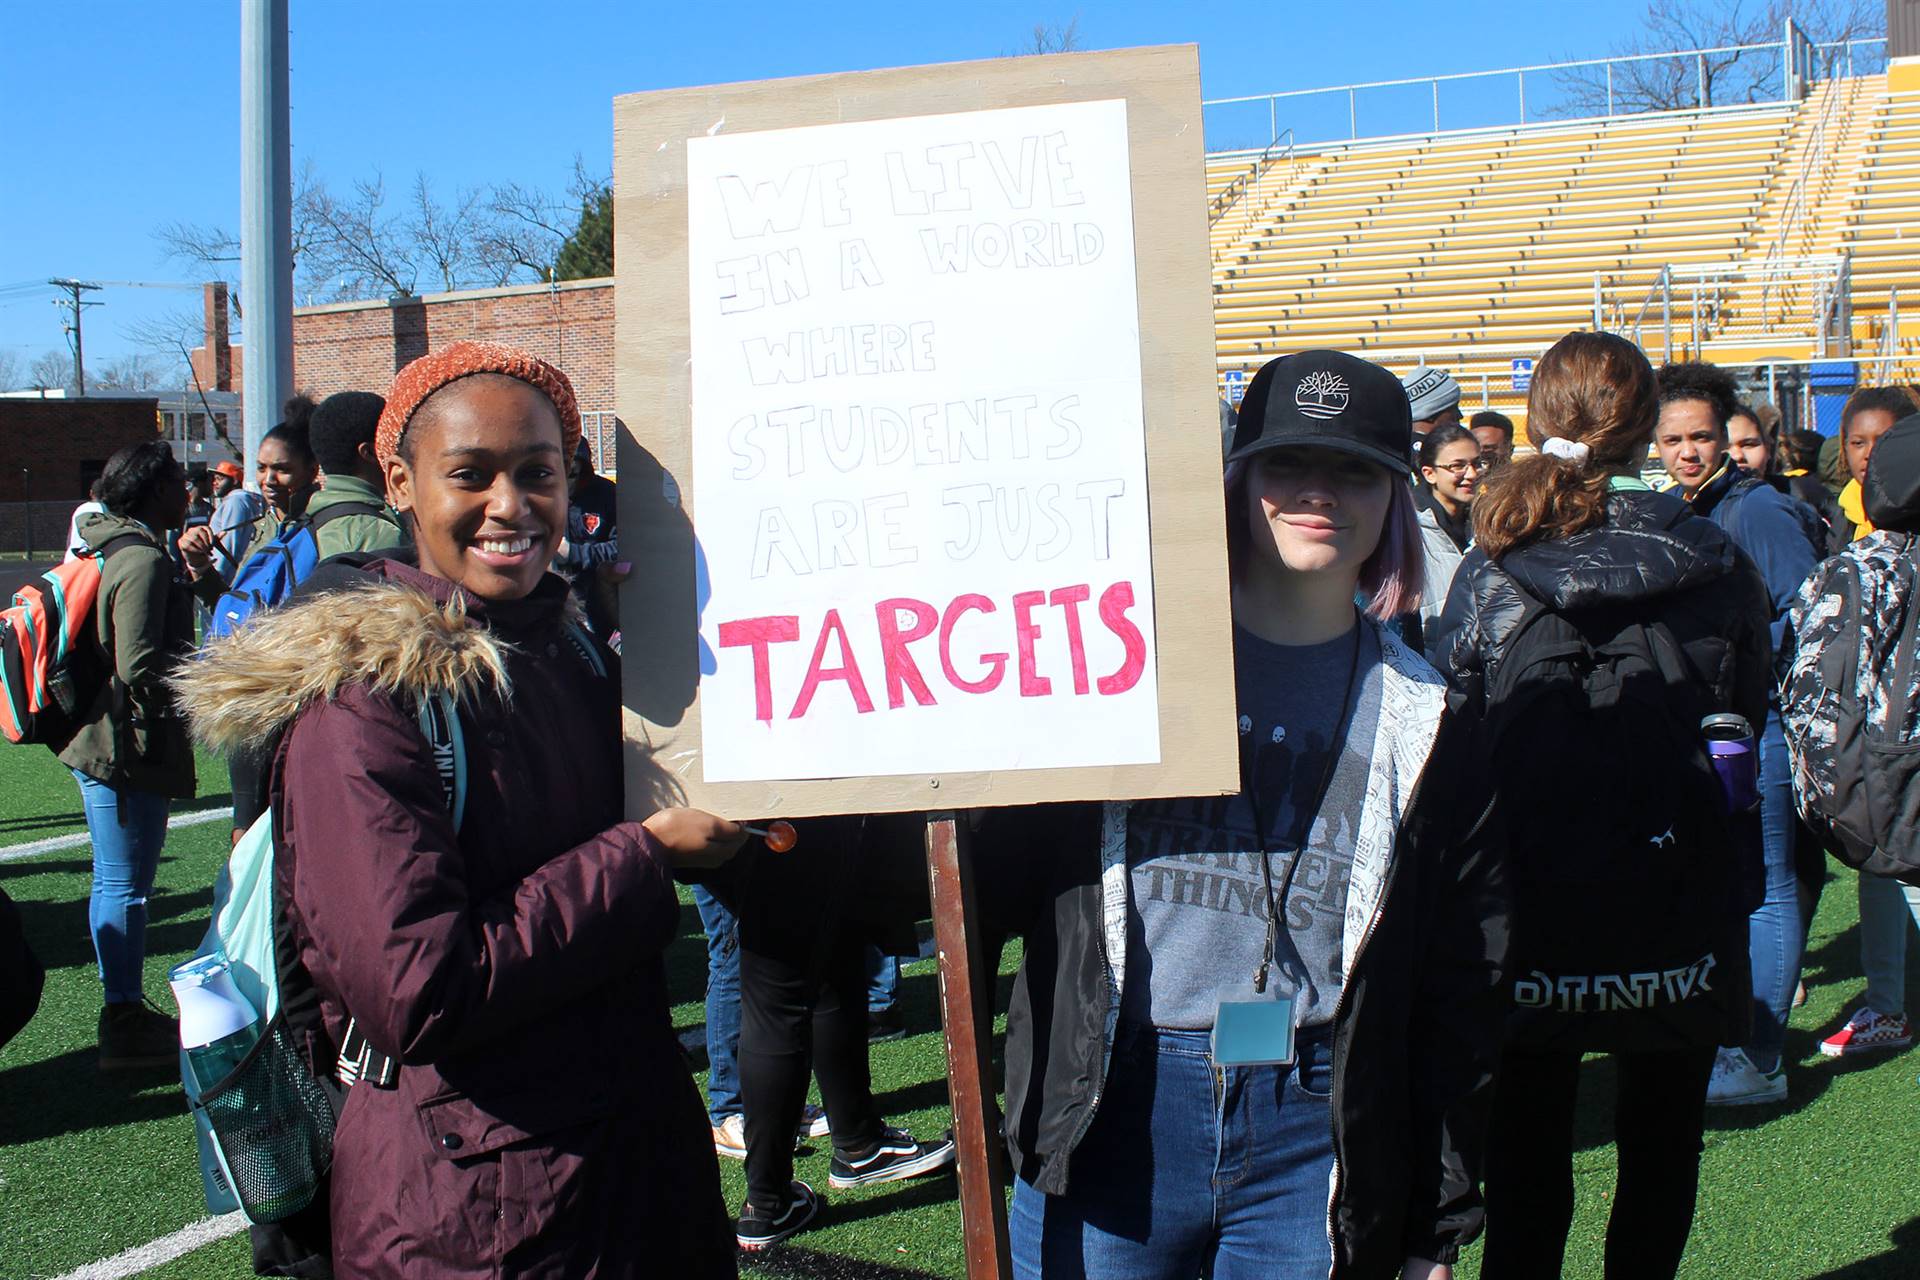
(1452, 465)
(493, 947)
(1253, 1034)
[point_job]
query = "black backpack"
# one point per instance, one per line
(1627, 870)
(1852, 708)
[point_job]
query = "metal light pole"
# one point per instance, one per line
(266, 218)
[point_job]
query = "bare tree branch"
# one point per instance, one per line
(354, 242)
(523, 233)
(210, 249)
(167, 334)
(50, 370)
(9, 371)
(1685, 80)
(1054, 38)
(355, 245)
(134, 372)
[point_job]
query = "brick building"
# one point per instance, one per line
(51, 449)
(359, 346)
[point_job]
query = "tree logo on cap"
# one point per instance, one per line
(1321, 395)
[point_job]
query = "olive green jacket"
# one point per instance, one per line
(132, 737)
(372, 532)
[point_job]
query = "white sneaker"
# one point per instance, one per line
(730, 1137)
(1736, 1082)
(813, 1123)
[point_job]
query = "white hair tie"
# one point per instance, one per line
(1572, 451)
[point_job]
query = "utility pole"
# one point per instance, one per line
(75, 288)
(266, 217)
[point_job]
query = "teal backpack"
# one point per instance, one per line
(265, 1132)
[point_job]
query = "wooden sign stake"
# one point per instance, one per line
(966, 1011)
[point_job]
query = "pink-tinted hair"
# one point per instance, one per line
(1394, 577)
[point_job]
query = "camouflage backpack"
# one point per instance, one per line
(1851, 706)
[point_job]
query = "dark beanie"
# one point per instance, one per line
(1893, 478)
(343, 422)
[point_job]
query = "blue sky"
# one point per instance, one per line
(117, 117)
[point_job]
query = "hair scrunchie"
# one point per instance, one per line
(1567, 450)
(420, 379)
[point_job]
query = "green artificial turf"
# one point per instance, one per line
(90, 1165)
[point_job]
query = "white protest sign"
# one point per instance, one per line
(918, 458)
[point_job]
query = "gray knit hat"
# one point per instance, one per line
(1430, 391)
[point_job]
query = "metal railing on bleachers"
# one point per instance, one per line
(1788, 299)
(1795, 62)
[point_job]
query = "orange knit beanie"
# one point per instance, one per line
(420, 379)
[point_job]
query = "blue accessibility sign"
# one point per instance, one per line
(1522, 374)
(1236, 380)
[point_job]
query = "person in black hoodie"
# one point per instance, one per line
(1358, 877)
(1598, 623)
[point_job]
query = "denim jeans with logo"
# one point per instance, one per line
(1189, 1171)
(127, 829)
(723, 1005)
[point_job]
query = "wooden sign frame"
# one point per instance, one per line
(659, 618)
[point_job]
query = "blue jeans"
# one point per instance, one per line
(723, 1005)
(1188, 1172)
(1775, 932)
(127, 829)
(1886, 907)
(883, 980)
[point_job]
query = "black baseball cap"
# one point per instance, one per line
(1327, 400)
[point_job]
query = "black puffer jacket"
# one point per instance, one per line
(1583, 927)
(1652, 548)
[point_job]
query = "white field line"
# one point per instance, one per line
(156, 1253)
(74, 840)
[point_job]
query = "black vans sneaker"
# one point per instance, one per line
(897, 1158)
(761, 1228)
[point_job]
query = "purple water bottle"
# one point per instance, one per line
(1731, 746)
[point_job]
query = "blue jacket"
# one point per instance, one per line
(1781, 535)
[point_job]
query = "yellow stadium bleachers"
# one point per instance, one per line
(1471, 250)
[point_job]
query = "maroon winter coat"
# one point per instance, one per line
(545, 1122)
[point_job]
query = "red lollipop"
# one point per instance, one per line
(779, 835)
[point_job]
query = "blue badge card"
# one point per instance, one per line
(1254, 1029)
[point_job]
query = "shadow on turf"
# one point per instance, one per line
(70, 1094)
(42, 867)
(1897, 1264)
(1835, 960)
(61, 936)
(788, 1262)
(40, 822)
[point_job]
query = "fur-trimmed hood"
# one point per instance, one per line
(393, 637)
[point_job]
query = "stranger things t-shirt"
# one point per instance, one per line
(1197, 923)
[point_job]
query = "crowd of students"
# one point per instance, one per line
(1333, 1022)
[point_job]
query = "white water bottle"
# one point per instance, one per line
(217, 1025)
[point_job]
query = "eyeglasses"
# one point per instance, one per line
(1458, 469)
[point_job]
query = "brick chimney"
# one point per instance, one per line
(219, 372)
